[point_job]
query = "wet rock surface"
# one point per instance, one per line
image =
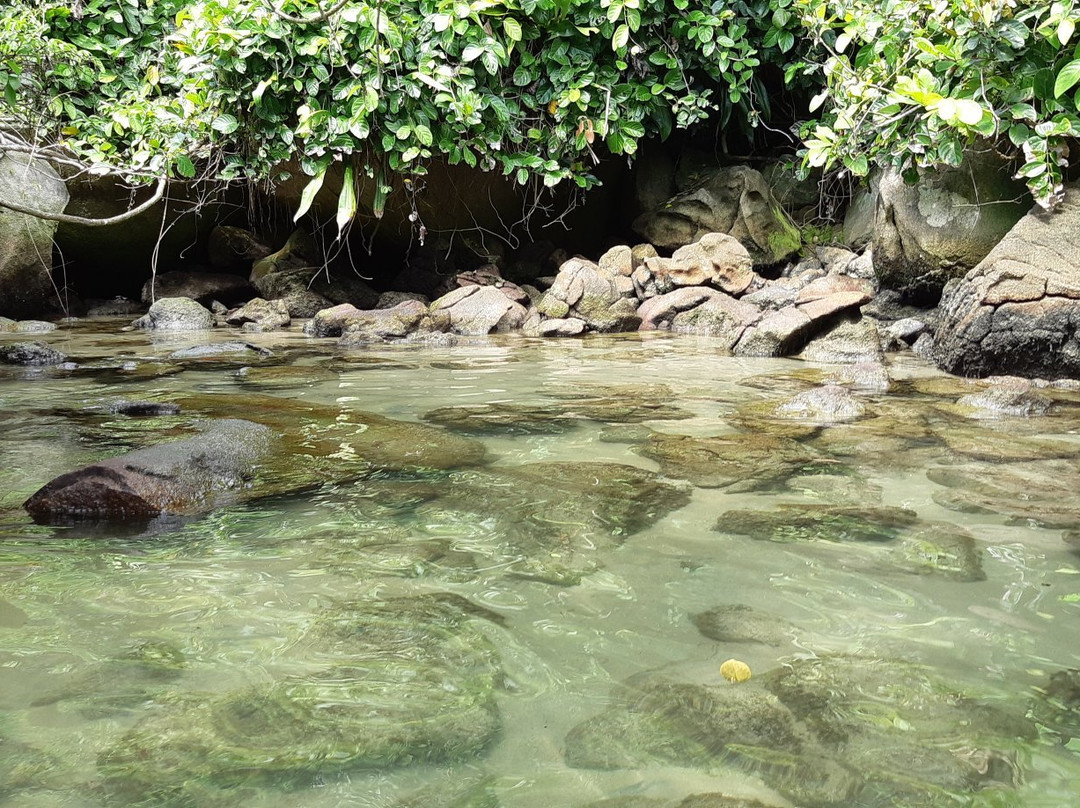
(1048, 498)
(1016, 312)
(739, 623)
(184, 476)
(34, 354)
(176, 314)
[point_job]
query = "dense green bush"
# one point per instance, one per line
(538, 90)
(914, 82)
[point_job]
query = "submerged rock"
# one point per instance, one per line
(897, 724)
(325, 443)
(706, 800)
(826, 732)
(1048, 487)
(1001, 445)
(118, 685)
(555, 417)
(739, 623)
(1008, 400)
(542, 521)
(824, 404)
(143, 408)
(218, 350)
(741, 462)
(940, 548)
(657, 719)
(812, 522)
(395, 682)
(186, 476)
(1056, 705)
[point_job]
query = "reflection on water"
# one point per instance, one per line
(506, 573)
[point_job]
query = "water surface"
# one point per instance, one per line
(106, 630)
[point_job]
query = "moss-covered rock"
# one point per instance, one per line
(939, 548)
(896, 721)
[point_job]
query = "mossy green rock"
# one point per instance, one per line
(326, 443)
(811, 522)
(896, 721)
(394, 682)
(940, 548)
(693, 801)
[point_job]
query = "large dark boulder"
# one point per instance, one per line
(1018, 311)
(185, 476)
(26, 241)
(204, 287)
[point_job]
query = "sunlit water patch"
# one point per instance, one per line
(508, 572)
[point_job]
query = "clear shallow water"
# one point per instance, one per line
(232, 597)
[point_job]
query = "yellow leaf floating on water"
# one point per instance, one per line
(735, 671)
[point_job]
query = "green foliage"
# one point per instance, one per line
(915, 82)
(537, 90)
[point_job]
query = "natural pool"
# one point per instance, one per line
(526, 598)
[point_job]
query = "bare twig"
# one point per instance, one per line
(65, 218)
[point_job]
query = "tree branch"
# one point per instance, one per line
(159, 193)
(321, 16)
